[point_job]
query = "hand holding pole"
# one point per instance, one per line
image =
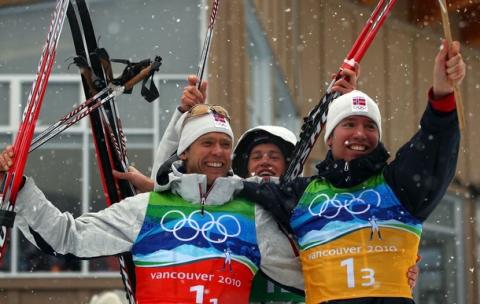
(448, 37)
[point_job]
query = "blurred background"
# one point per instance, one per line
(270, 63)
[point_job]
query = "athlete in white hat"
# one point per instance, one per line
(330, 214)
(179, 234)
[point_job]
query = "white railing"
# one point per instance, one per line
(15, 83)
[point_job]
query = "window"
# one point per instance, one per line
(4, 104)
(441, 268)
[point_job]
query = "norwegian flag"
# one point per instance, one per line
(219, 117)
(359, 101)
(220, 121)
(359, 104)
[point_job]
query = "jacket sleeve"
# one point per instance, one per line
(168, 144)
(108, 232)
(424, 167)
(279, 199)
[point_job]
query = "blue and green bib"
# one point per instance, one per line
(182, 255)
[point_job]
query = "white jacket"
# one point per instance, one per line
(115, 229)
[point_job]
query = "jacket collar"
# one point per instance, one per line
(344, 174)
(193, 187)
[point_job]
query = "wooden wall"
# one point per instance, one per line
(228, 66)
(310, 39)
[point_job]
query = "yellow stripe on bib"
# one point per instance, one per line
(364, 263)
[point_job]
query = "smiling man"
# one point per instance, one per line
(192, 240)
(353, 127)
(206, 143)
(358, 222)
(265, 151)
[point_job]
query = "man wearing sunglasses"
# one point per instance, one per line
(192, 240)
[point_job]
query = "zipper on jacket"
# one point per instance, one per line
(346, 169)
(203, 197)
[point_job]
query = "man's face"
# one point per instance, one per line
(210, 154)
(353, 137)
(266, 160)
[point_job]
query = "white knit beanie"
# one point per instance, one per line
(189, 129)
(351, 104)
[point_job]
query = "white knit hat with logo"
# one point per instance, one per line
(189, 129)
(352, 104)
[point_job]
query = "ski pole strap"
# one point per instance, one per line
(132, 74)
(89, 106)
(7, 218)
(147, 68)
(151, 93)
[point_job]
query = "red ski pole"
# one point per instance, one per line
(315, 121)
(27, 127)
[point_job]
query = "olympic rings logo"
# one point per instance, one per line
(344, 201)
(218, 226)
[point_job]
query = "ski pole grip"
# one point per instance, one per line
(348, 64)
(139, 77)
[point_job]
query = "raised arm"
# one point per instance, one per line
(191, 96)
(424, 167)
(168, 144)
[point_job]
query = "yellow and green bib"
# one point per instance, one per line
(355, 242)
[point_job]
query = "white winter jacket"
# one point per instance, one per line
(114, 230)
